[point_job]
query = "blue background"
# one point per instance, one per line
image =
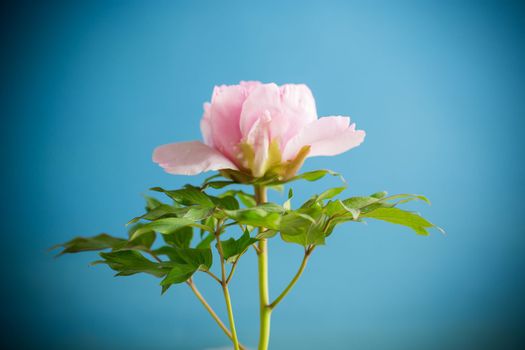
(89, 89)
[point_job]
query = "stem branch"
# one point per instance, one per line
(213, 276)
(294, 280)
(211, 311)
(225, 290)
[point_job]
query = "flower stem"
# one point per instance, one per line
(230, 317)
(211, 311)
(225, 290)
(264, 299)
(307, 253)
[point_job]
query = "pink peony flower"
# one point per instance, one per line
(259, 129)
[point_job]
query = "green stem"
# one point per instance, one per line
(230, 317)
(225, 290)
(307, 253)
(211, 311)
(264, 299)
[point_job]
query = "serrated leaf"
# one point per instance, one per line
(401, 217)
(330, 193)
(167, 226)
(359, 202)
(406, 197)
(316, 175)
(304, 228)
(158, 212)
(181, 238)
(233, 248)
(247, 199)
(188, 196)
(197, 213)
(130, 262)
(206, 241)
(288, 204)
(218, 184)
(169, 252)
(84, 244)
(151, 203)
(189, 261)
(226, 202)
(178, 274)
(143, 242)
(260, 216)
(199, 258)
(266, 234)
(379, 195)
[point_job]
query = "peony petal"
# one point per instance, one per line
(224, 116)
(327, 136)
(299, 99)
(290, 107)
(263, 100)
(258, 138)
(190, 158)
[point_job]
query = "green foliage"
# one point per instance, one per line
(265, 215)
(186, 261)
(182, 252)
(180, 238)
(233, 248)
(84, 244)
(130, 262)
(401, 217)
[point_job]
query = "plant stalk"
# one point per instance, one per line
(226, 292)
(264, 298)
(292, 283)
(212, 312)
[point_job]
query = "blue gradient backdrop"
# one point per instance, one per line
(89, 89)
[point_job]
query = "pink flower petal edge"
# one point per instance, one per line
(326, 136)
(190, 158)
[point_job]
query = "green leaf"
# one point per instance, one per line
(304, 228)
(170, 252)
(143, 241)
(181, 238)
(189, 261)
(160, 211)
(226, 202)
(151, 203)
(167, 226)
(266, 234)
(130, 262)
(401, 217)
(84, 244)
(233, 248)
(178, 274)
(197, 213)
(288, 204)
(189, 195)
(316, 175)
(359, 202)
(247, 199)
(330, 193)
(406, 197)
(260, 216)
(201, 259)
(217, 184)
(379, 195)
(206, 241)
